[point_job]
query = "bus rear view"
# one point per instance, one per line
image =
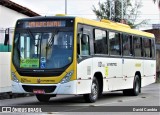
(42, 58)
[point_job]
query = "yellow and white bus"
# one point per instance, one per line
(72, 55)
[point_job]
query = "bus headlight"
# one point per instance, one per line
(14, 78)
(67, 77)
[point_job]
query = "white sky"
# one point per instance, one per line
(83, 8)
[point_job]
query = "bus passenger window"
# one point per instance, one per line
(127, 45)
(100, 42)
(84, 45)
(147, 47)
(137, 46)
(114, 40)
(153, 48)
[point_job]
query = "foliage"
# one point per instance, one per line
(130, 11)
(158, 1)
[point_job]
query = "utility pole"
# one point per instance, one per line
(65, 7)
(122, 3)
(114, 13)
(110, 9)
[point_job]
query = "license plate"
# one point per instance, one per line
(38, 91)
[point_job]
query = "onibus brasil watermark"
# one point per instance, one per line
(21, 109)
(49, 108)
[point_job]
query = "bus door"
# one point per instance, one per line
(84, 63)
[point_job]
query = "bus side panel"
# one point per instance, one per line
(111, 69)
(115, 78)
(84, 76)
(129, 70)
(130, 67)
(99, 65)
(149, 72)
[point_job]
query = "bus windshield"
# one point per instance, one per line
(43, 50)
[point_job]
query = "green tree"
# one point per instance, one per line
(158, 1)
(130, 11)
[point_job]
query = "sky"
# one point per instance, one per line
(83, 8)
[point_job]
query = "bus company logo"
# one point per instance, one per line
(38, 80)
(100, 64)
(6, 109)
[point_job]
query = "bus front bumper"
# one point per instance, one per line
(66, 88)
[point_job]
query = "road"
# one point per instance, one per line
(150, 96)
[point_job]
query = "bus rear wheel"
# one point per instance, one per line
(136, 88)
(93, 96)
(43, 98)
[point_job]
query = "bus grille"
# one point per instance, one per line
(47, 89)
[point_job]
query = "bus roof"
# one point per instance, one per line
(114, 26)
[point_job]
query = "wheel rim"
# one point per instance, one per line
(94, 91)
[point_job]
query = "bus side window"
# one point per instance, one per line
(127, 45)
(83, 45)
(114, 41)
(147, 47)
(137, 46)
(100, 42)
(153, 48)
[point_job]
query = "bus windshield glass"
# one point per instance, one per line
(43, 49)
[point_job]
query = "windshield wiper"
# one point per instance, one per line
(51, 40)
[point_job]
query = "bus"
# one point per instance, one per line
(76, 56)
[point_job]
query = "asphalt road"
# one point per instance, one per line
(149, 97)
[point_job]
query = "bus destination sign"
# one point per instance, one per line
(33, 24)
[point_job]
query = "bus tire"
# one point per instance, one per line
(136, 88)
(93, 96)
(43, 98)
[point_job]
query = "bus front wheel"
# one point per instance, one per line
(93, 96)
(43, 98)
